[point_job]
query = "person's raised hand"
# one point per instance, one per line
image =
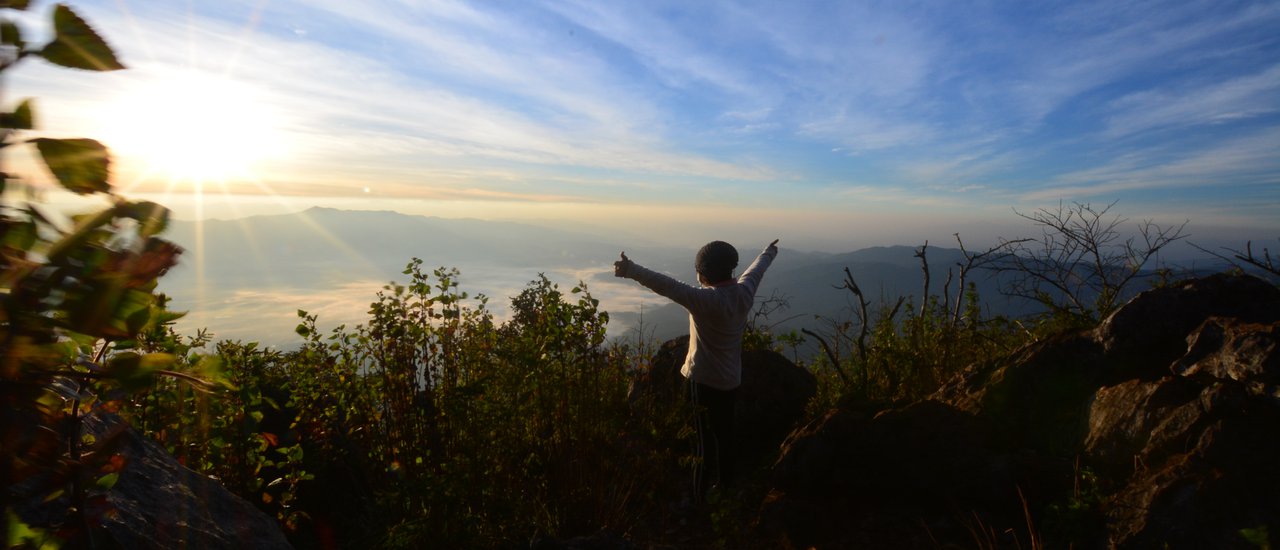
(621, 267)
(772, 248)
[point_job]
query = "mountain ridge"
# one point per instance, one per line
(341, 258)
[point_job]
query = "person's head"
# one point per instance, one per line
(715, 262)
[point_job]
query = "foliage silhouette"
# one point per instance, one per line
(440, 425)
(73, 303)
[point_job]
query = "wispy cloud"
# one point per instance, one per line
(1246, 160)
(1202, 103)
(722, 102)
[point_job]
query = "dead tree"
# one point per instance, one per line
(924, 267)
(973, 261)
(1081, 264)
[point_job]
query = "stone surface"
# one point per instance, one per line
(1145, 335)
(1202, 483)
(1127, 418)
(897, 474)
(1157, 428)
(1039, 397)
(158, 503)
(771, 399)
(1230, 349)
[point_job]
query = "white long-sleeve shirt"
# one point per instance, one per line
(717, 318)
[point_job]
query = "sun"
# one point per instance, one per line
(193, 128)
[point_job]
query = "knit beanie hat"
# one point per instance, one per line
(716, 260)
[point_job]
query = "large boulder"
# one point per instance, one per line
(1204, 476)
(1156, 428)
(1150, 331)
(897, 475)
(771, 399)
(1194, 454)
(158, 503)
(1038, 397)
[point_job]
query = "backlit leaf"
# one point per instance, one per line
(142, 269)
(10, 34)
(80, 165)
(18, 235)
(20, 119)
(152, 218)
(135, 371)
(77, 45)
(108, 481)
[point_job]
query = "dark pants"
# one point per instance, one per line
(714, 443)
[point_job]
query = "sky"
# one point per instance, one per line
(833, 125)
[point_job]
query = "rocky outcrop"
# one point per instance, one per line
(1157, 428)
(1142, 338)
(771, 399)
(157, 503)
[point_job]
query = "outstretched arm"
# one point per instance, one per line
(677, 291)
(751, 277)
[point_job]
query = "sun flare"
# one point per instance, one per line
(193, 128)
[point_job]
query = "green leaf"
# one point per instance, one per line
(134, 371)
(19, 236)
(1256, 536)
(134, 309)
(20, 119)
(21, 535)
(152, 218)
(80, 165)
(86, 227)
(108, 481)
(10, 34)
(77, 45)
(165, 317)
(15, 4)
(137, 320)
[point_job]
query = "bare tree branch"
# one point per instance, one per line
(924, 267)
(971, 261)
(831, 356)
(852, 286)
(1081, 264)
(1265, 262)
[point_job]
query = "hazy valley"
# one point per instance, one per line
(245, 279)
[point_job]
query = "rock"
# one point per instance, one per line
(158, 503)
(812, 461)
(1148, 333)
(1230, 349)
(602, 540)
(660, 381)
(771, 399)
(1156, 429)
(1037, 398)
(1207, 479)
(903, 467)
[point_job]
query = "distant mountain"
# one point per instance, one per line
(237, 277)
(323, 243)
(811, 284)
(244, 279)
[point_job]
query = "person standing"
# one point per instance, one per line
(718, 310)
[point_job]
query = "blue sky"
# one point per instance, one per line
(832, 124)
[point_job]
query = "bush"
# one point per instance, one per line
(431, 424)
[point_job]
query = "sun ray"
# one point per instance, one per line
(191, 130)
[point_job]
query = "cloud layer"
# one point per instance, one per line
(926, 108)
